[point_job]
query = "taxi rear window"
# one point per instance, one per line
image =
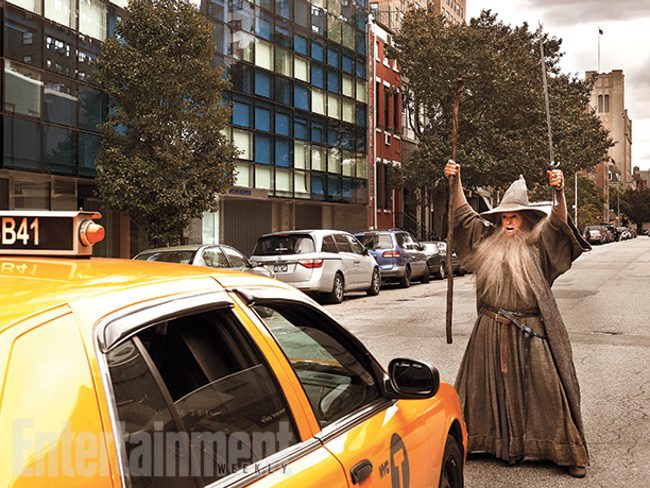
(181, 257)
(284, 244)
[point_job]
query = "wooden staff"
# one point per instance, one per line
(451, 210)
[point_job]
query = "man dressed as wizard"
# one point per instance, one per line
(517, 380)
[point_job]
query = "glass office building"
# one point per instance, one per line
(299, 88)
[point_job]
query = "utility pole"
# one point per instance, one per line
(575, 200)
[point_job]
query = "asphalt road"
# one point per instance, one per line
(605, 303)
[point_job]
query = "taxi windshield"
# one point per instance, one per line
(181, 257)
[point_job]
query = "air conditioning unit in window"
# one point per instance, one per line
(388, 138)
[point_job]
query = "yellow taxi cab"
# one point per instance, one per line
(125, 373)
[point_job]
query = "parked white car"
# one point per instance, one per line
(326, 263)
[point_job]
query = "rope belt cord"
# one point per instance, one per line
(507, 318)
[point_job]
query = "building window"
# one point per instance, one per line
(606, 109)
(283, 61)
(60, 150)
(263, 54)
(377, 103)
(317, 158)
(89, 146)
(92, 108)
(61, 11)
(263, 118)
(243, 175)
(92, 18)
(317, 75)
(317, 51)
(263, 85)
(301, 69)
(333, 81)
(396, 111)
(347, 111)
(283, 90)
(301, 95)
(243, 141)
(318, 101)
(22, 89)
(264, 177)
(31, 5)
(31, 195)
(333, 106)
(283, 153)
(60, 101)
(241, 114)
(387, 117)
(263, 149)
(301, 155)
(21, 143)
(348, 86)
(283, 124)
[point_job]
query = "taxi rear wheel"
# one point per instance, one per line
(451, 474)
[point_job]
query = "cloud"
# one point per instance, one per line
(572, 12)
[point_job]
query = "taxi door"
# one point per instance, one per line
(379, 442)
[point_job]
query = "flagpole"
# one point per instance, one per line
(599, 34)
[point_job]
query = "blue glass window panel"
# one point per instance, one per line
(361, 18)
(88, 150)
(300, 44)
(282, 124)
(317, 132)
(317, 75)
(361, 115)
(348, 189)
(302, 98)
(22, 143)
(263, 84)
(317, 185)
(263, 25)
(241, 114)
(263, 149)
(317, 51)
(361, 43)
(361, 69)
(301, 128)
(332, 136)
(347, 140)
(348, 64)
(263, 119)
(318, 20)
(283, 153)
(283, 90)
(333, 186)
(333, 81)
(283, 8)
(283, 34)
(332, 57)
(361, 142)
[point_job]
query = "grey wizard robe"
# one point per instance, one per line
(498, 420)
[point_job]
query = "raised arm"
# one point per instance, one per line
(452, 168)
(556, 180)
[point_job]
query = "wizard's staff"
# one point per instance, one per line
(451, 210)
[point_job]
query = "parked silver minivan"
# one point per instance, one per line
(326, 263)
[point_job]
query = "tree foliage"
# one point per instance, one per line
(502, 112)
(164, 157)
(636, 205)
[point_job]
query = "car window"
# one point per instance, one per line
(237, 259)
(217, 387)
(181, 257)
(335, 380)
(284, 244)
(329, 245)
(214, 258)
(342, 243)
(355, 245)
(404, 240)
(376, 240)
(432, 248)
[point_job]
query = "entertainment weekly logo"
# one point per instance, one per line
(146, 454)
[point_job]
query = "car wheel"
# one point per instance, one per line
(405, 281)
(442, 270)
(425, 277)
(338, 289)
(451, 473)
(375, 283)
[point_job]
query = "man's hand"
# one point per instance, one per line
(452, 168)
(556, 178)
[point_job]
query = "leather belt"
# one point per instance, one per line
(506, 318)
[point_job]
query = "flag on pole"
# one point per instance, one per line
(600, 31)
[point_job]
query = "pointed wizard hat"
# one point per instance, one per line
(514, 200)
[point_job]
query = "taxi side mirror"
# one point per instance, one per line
(410, 379)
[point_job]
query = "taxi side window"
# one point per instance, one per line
(216, 387)
(336, 382)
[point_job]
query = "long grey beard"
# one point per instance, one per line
(501, 261)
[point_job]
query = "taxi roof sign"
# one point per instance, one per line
(47, 233)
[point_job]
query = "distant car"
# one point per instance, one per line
(610, 232)
(400, 257)
(623, 233)
(595, 234)
(326, 263)
(436, 252)
(212, 256)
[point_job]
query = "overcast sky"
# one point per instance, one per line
(625, 45)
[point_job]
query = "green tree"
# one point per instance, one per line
(163, 157)
(502, 114)
(636, 205)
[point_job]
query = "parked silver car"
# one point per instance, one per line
(322, 262)
(213, 256)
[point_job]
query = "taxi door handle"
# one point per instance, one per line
(360, 471)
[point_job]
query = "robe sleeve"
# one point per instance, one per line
(469, 230)
(560, 243)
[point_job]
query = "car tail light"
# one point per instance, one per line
(312, 263)
(390, 254)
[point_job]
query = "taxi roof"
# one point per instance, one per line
(29, 286)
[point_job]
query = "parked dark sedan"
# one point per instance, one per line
(436, 252)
